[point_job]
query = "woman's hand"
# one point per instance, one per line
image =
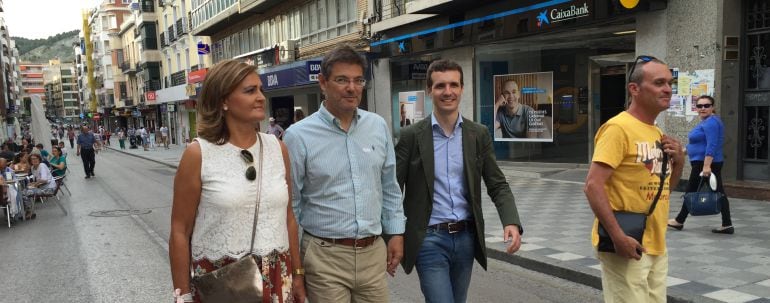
(298, 288)
(706, 171)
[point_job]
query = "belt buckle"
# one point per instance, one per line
(356, 245)
(450, 229)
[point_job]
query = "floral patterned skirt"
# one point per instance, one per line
(276, 280)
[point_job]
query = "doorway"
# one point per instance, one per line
(282, 109)
(612, 90)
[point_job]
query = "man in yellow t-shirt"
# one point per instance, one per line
(625, 176)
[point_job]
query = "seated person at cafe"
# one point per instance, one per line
(58, 163)
(43, 184)
(6, 152)
(21, 162)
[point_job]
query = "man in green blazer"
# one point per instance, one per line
(440, 162)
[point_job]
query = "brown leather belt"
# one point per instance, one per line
(452, 227)
(357, 243)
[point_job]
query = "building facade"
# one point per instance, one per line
(569, 60)
(285, 40)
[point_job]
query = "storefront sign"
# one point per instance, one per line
(554, 15)
(197, 76)
(171, 108)
(523, 107)
(294, 75)
(150, 96)
(417, 71)
(313, 70)
(190, 90)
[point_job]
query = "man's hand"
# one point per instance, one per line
(395, 253)
(628, 247)
(501, 101)
(673, 148)
(512, 237)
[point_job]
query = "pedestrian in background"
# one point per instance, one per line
(214, 201)
(627, 160)
(122, 138)
(275, 129)
(71, 136)
(87, 150)
(445, 230)
(164, 135)
(346, 198)
(704, 148)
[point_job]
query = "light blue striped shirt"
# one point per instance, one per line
(449, 191)
(344, 183)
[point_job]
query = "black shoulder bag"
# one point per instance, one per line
(632, 224)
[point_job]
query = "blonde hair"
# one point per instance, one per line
(220, 81)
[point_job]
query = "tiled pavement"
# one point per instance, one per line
(703, 267)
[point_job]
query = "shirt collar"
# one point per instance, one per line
(434, 122)
(328, 117)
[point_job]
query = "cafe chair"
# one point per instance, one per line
(55, 194)
(5, 204)
(60, 181)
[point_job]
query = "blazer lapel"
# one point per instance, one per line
(425, 145)
(469, 156)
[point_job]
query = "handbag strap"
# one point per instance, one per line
(663, 170)
(259, 190)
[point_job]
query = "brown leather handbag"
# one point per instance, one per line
(237, 282)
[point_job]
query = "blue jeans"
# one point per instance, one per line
(444, 265)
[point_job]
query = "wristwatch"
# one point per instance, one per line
(299, 271)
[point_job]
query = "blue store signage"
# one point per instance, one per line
(294, 75)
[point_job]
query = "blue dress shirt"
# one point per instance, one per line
(449, 191)
(86, 140)
(344, 183)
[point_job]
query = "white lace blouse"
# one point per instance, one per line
(226, 210)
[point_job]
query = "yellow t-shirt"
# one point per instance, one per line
(632, 148)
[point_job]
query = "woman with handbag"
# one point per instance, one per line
(231, 211)
(705, 152)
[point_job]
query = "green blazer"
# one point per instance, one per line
(415, 173)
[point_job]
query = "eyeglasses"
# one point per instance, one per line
(642, 58)
(703, 105)
(251, 172)
(358, 82)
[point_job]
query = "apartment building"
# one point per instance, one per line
(104, 24)
(10, 82)
(285, 40)
(183, 69)
(81, 82)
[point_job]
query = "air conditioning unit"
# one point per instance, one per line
(288, 50)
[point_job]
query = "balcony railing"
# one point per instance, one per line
(178, 78)
(181, 26)
(171, 34)
(148, 6)
(151, 85)
(127, 68)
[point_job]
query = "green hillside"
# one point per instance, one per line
(42, 50)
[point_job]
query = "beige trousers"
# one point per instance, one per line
(338, 273)
(628, 280)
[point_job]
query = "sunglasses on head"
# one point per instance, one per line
(642, 58)
(703, 105)
(251, 172)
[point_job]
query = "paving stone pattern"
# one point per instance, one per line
(729, 268)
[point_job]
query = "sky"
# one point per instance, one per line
(35, 19)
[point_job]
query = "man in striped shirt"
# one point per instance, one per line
(344, 190)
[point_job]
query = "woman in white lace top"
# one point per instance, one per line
(215, 191)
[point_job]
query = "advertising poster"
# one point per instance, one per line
(692, 86)
(523, 108)
(411, 106)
